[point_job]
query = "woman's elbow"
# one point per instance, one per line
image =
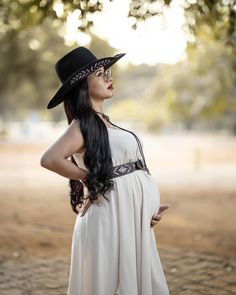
(45, 161)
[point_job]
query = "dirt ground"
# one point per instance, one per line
(36, 215)
(37, 221)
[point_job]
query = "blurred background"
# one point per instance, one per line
(175, 87)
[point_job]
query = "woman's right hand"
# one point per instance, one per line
(87, 204)
(85, 207)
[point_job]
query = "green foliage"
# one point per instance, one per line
(219, 15)
(22, 14)
(200, 89)
(196, 93)
(27, 61)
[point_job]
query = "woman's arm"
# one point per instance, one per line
(55, 158)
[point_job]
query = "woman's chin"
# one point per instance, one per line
(109, 95)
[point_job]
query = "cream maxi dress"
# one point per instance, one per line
(113, 249)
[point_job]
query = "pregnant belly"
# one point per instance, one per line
(153, 194)
(150, 192)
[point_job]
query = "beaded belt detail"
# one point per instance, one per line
(126, 168)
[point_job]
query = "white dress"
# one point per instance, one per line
(113, 248)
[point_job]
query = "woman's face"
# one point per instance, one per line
(99, 85)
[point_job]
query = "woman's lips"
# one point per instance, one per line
(110, 87)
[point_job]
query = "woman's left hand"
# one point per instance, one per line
(157, 217)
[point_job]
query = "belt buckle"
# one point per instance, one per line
(139, 164)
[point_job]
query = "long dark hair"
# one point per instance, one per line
(97, 157)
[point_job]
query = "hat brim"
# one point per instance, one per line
(80, 75)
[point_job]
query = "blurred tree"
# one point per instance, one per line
(218, 14)
(199, 91)
(196, 93)
(201, 88)
(27, 63)
(22, 14)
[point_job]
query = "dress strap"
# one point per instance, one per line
(137, 139)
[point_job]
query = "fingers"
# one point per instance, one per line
(85, 208)
(153, 222)
(163, 207)
(88, 203)
(157, 217)
(98, 201)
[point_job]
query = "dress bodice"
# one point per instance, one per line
(123, 145)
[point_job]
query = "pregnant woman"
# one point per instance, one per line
(116, 199)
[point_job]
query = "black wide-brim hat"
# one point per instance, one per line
(75, 66)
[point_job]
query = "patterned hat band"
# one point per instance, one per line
(76, 66)
(84, 73)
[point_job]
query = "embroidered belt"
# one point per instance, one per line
(126, 168)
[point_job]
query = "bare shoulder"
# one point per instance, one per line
(73, 134)
(69, 143)
(74, 127)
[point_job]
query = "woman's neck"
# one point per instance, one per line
(103, 115)
(97, 105)
(100, 112)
